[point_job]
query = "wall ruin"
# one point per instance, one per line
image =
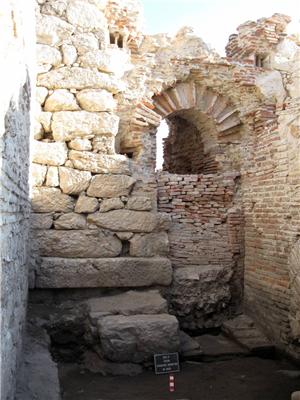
(216, 231)
(96, 191)
(17, 81)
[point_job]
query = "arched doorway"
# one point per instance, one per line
(198, 187)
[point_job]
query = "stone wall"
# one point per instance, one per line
(17, 55)
(90, 214)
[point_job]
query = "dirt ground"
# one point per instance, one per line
(247, 378)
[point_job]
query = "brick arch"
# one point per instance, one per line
(148, 115)
(185, 96)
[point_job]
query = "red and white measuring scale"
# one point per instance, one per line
(171, 383)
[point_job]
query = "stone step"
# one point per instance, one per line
(128, 303)
(219, 347)
(136, 338)
(244, 331)
(128, 272)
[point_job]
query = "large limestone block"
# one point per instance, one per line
(68, 125)
(129, 303)
(99, 163)
(96, 100)
(41, 221)
(79, 78)
(107, 272)
(110, 186)
(41, 94)
(45, 200)
(111, 204)
(49, 153)
(139, 203)
(149, 245)
(38, 174)
(69, 54)
(70, 221)
(47, 55)
(52, 179)
(52, 30)
(44, 118)
(73, 181)
(86, 204)
(85, 15)
(111, 60)
(85, 42)
(61, 100)
(80, 144)
(136, 338)
(78, 243)
(125, 220)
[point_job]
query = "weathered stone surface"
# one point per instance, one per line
(73, 181)
(48, 55)
(111, 60)
(271, 85)
(149, 245)
(49, 153)
(52, 179)
(79, 78)
(85, 42)
(67, 125)
(118, 272)
(86, 204)
(245, 332)
(96, 100)
(61, 100)
(44, 118)
(139, 203)
(125, 220)
(38, 174)
(85, 15)
(136, 338)
(70, 221)
(41, 94)
(110, 186)
(78, 244)
(111, 204)
(100, 163)
(124, 235)
(104, 144)
(199, 294)
(129, 303)
(80, 144)
(45, 200)
(52, 30)
(41, 221)
(69, 54)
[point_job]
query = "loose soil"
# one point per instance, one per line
(249, 378)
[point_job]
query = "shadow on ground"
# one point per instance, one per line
(249, 378)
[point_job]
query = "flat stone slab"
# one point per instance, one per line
(105, 272)
(244, 331)
(88, 243)
(129, 303)
(219, 347)
(136, 338)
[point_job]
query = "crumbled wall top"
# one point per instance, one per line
(258, 37)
